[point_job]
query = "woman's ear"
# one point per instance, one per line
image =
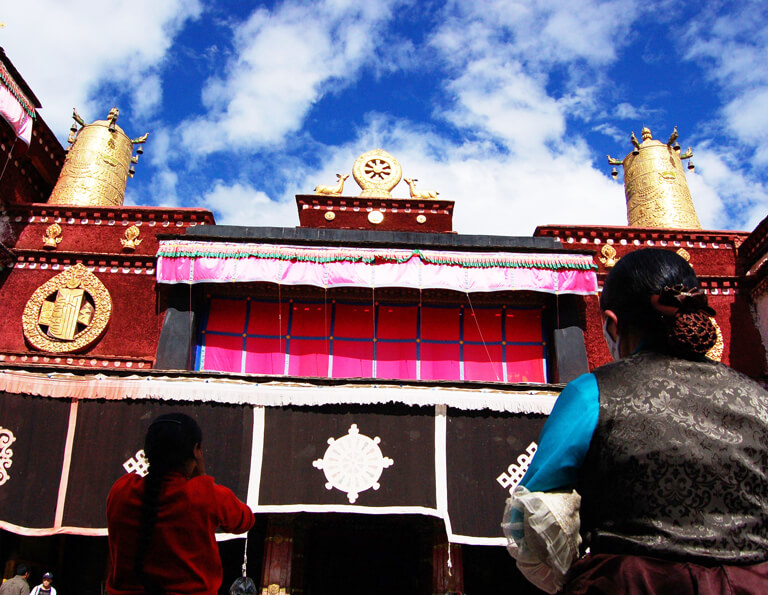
(612, 324)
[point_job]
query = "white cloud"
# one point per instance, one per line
(732, 47)
(81, 44)
(241, 204)
(285, 60)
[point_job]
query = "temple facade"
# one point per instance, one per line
(370, 382)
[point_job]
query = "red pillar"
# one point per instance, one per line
(447, 567)
(278, 556)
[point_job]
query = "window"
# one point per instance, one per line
(388, 340)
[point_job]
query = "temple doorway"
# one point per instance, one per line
(353, 554)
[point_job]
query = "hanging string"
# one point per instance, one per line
(245, 557)
(482, 338)
(8, 159)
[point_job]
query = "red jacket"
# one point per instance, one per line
(183, 556)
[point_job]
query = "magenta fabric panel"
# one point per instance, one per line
(525, 363)
(440, 324)
(352, 359)
(524, 326)
(264, 356)
(265, 319)
(440, 361)
(310, 320)
(397, 322)
(227, 316)
(308, 357)
(223, 353)
(353, 321)
(396, 360)
(478, 367)
(489, 321)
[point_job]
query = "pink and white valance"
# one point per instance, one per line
(189, 261)
(15, 108)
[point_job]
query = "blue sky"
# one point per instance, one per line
(508, 108)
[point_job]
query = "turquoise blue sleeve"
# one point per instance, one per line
(565, 438)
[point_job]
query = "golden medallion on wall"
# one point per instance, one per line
(377, 173)
(68, 312)
(716, 352)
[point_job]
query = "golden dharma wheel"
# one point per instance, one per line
(95, 171)
(377, 173)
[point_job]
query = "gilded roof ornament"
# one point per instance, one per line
(100, 159)
(425, 194)
(654, 183)
(332, 190)
(377, 173)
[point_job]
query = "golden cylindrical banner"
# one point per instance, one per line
(656, 189)
(95, 171)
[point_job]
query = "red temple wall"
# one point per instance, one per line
(714, 256)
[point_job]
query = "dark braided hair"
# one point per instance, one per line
(656, 293)
(169, 444)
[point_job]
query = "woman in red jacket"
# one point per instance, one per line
(162, 526)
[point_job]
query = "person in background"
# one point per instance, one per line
(46, 588)
(162, 527)
(666, 451)
(17, 585)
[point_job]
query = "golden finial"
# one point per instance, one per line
(426, 194)
(99, 162)
(332, 190)
(52, 237)
(655, 185)
(131, 240)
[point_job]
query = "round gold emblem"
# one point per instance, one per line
(330, 215)
(375, 217)
(377, 172)
(421, 219)
(716, 353)
(68, 312)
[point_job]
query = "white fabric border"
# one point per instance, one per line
(272, 394)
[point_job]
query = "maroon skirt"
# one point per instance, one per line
(638, 575)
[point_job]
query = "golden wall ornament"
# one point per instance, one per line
(333, 190)
(655, 186)
(98, 164)
(377, 173)
(716, 352)
(608, 257)
(684, 254)
(67, 313)
(52, 237)
(274, 589)
(132, 240)
(375, 217)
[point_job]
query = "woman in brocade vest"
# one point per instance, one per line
(651, 474)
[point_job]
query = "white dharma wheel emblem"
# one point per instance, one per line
(353, 463)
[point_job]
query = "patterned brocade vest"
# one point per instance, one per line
(677, 467)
